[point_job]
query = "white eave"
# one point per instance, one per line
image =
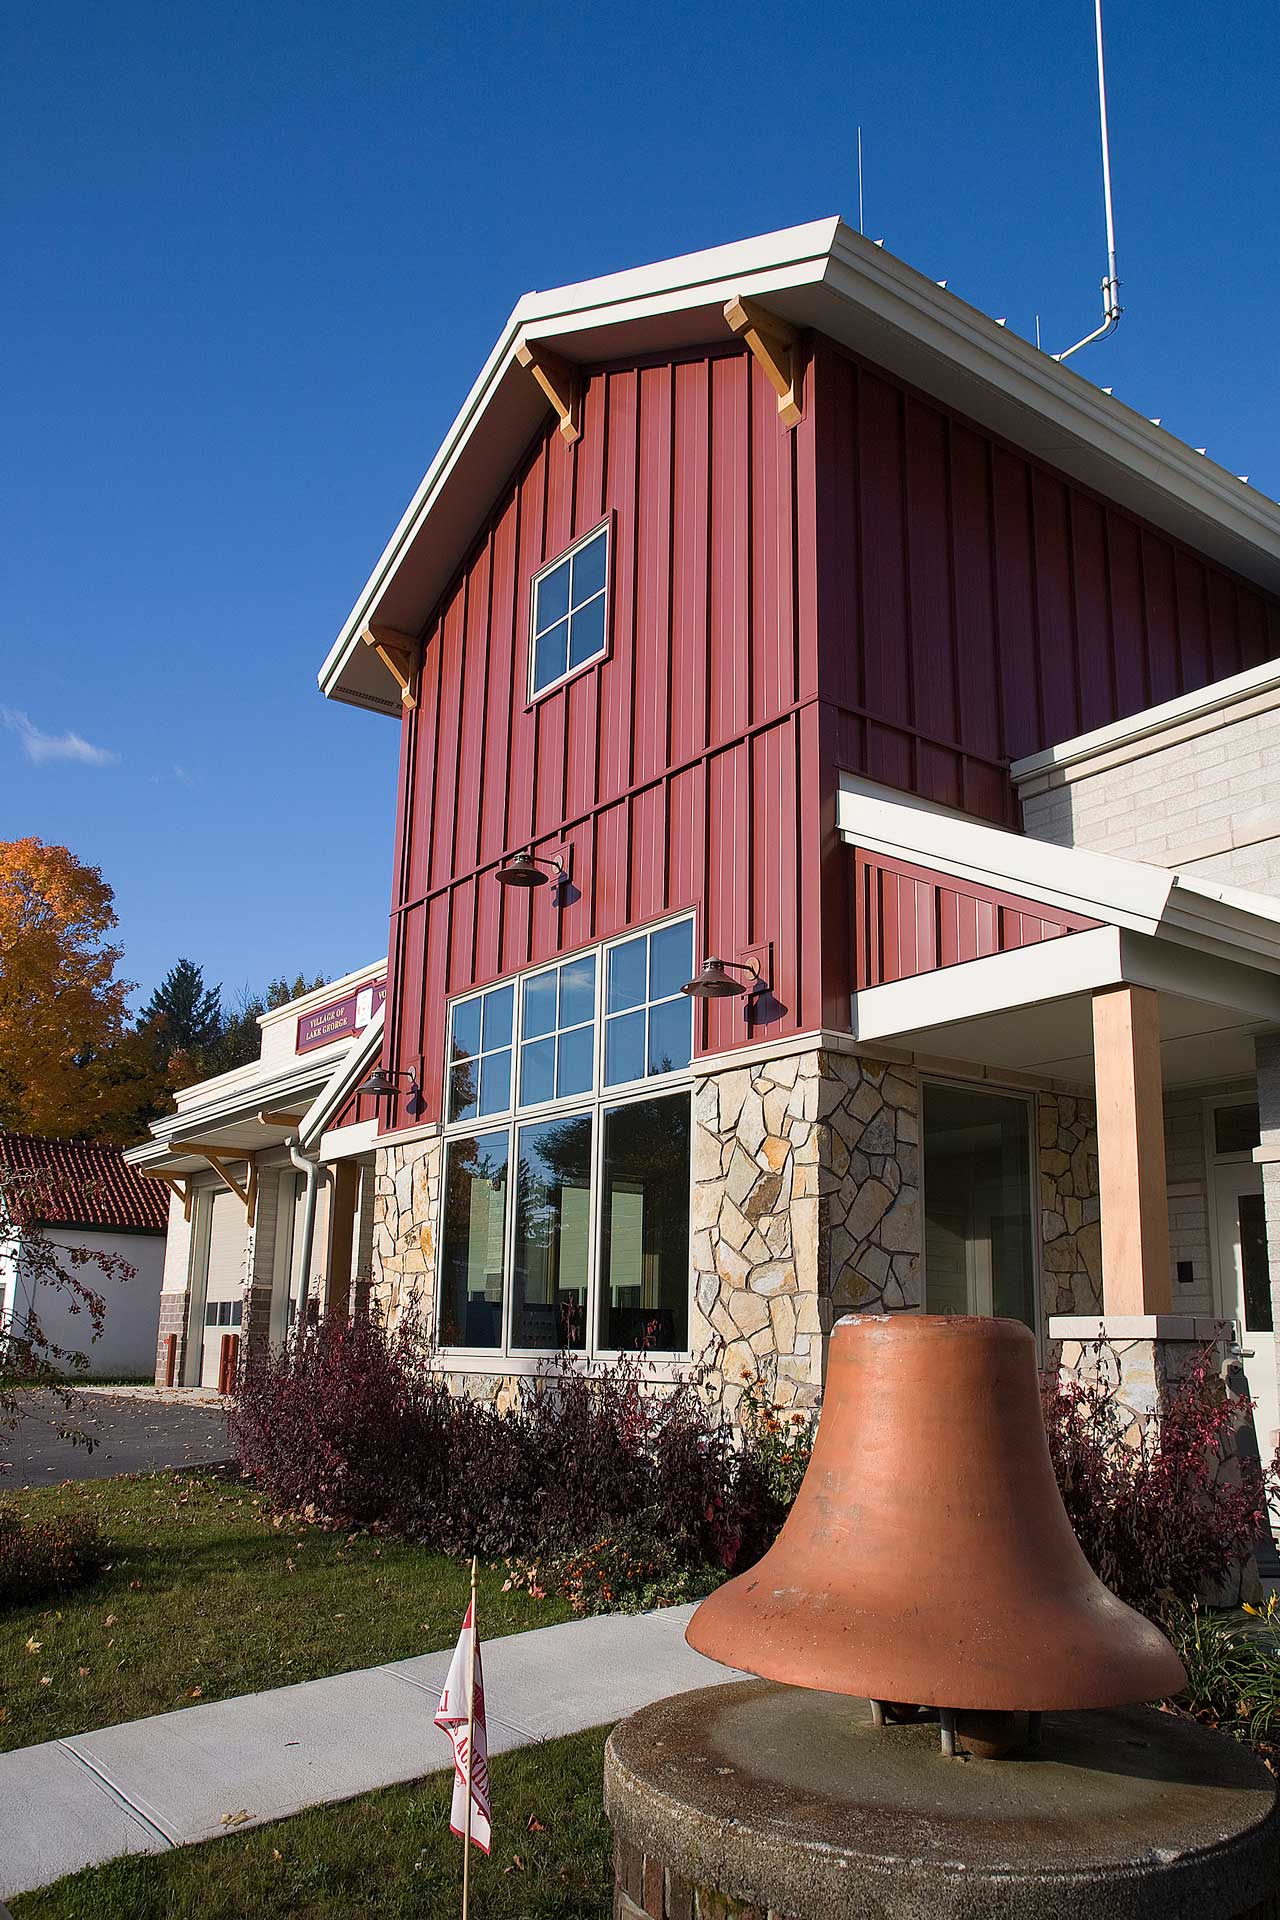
(1185, 908)
(826, 277)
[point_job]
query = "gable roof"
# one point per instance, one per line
(821, 276)
(77, 1183)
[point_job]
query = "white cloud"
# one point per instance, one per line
(41, 747)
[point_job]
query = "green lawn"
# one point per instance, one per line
(386, 1855)
(206, 1597)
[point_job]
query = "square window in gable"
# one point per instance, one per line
(569, 623)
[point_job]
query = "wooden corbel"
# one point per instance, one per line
(398, 653)
(175, 1186)
(222, 1162)
(289, 1120)
(561, 383)
(775, 347)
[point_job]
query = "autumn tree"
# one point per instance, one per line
(65, 1067)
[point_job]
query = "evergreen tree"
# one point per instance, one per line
(184, 1015)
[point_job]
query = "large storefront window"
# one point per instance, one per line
(979, 1255)
(591, 1254)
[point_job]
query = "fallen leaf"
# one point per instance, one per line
(276, 1854)
(33, 1645)
(517, 1865)
(110, 1620)
(535, 1825)
(84, 1673)
(46, 1679)
(235, 1819)
(194, 1693)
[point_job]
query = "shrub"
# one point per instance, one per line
(1164, 1514)
(358, 1427)
(1233, 1670)
(44, 1556)
(630, 1569)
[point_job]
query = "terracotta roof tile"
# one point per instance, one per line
(80, 1184)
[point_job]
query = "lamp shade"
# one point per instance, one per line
(379, 1085)
(522, 870)
(713, 982)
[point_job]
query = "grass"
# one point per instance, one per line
(204, 1596)
(387, 1855)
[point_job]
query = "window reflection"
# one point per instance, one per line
(977, 1191)
(644, 1228)
(471, 1254)
(553, 1234)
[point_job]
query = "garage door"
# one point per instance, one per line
(224, 1288)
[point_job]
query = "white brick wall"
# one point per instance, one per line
(1209, 805)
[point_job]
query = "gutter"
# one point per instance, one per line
(311, 1169)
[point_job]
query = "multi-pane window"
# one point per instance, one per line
(224, 1313)
(566, 1223)
(558, 1031)
(648, 1021)
(570, 601)
(480, 1054)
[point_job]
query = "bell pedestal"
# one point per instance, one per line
(767, 1802)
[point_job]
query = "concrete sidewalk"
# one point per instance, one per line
(149, 1785)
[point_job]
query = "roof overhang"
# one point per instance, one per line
(246, 1120)
(821, 276)
(1211, 953)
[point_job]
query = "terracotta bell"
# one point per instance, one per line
(928, 1558)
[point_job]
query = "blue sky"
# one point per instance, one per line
(255, 256)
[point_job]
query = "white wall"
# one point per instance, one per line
(128, 1342)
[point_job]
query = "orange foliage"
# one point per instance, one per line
(69, 1066)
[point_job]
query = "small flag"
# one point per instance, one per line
(467, 1731)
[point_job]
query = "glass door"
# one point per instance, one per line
(1244, 1282)
(979, 1253)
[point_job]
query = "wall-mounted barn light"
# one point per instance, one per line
(712, 982)
(524, 869)
(381, 1085)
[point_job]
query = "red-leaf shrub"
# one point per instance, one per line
(45, 1556)
(1166, 1513)
(359, 1427)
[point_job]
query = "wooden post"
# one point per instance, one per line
(344, 1197)
(1131, 1172)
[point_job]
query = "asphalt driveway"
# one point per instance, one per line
(130, 1434)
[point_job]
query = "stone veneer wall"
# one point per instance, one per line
(806, 1205)
(1070, 1222)
(405, 1209)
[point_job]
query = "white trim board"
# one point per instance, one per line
(1146, 899)
(1222, 704)
(825, 277)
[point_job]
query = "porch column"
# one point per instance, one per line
(1266, 1053)
(1134, 1200)
(344, 1193)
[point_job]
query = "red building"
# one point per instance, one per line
(746, 594)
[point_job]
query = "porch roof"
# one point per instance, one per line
(1210, 952)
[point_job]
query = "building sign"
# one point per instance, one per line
(340, 1018)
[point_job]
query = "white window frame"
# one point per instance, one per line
(605, 527)
(1031, 1100)
(599, 1101)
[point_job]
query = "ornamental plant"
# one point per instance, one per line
(1165, 1512)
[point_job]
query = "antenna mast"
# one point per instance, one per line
(1111, 308)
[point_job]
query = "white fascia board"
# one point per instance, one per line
(345, 1077)
(372, 972)
(1219, 978)
(1025, 977)
(1097, 885)
(341, 1143)
(819, 275)
(1150, 723)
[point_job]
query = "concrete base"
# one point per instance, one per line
(760, 1800)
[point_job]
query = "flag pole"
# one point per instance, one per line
(471, 1748)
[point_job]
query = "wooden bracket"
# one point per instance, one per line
(398, 653)
(222, 1162)
(775, 347)
(175, 1186)
(561, 383)
(290, 1120)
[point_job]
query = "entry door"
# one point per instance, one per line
(224, 1287)
(1245, 1280)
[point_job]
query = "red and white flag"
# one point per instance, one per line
(468, 1734)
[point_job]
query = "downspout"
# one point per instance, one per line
(311, 1168)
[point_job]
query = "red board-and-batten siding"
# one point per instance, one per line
(910, 920)
(934, 604)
